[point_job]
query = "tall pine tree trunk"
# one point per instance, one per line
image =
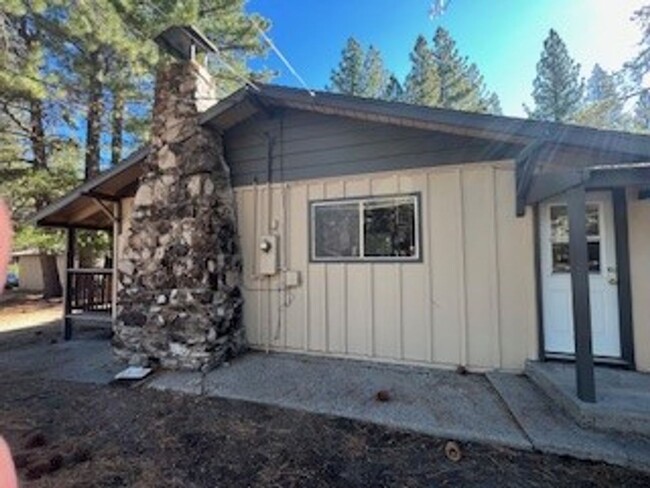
(50, 272)
(117, 126)
(51, 280)
(37, 136)
(94, 118)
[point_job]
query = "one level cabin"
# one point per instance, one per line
(373, 230)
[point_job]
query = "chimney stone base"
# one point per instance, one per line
(179, 302)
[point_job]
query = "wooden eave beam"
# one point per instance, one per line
(616, 178)
(548, 185)
(108, 212)
(101, 196)
(525, 165)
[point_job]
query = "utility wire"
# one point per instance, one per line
(235, 73)
(220, 57)
(286, 62)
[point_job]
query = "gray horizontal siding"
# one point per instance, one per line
(310, 145)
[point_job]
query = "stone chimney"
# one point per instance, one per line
(179, 302)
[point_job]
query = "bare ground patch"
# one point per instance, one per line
(111, 436)
(68, 434)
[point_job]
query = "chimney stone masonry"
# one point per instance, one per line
(179, 302)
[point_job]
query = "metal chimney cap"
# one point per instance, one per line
(184, 42)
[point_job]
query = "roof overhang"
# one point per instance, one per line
(244, 103)
(86, 206)
(547, 147)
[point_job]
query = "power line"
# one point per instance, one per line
(286, 62)
(220, 57)
(235, 73)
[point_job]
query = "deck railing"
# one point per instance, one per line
(90, 290)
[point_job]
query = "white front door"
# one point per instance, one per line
(556, 278)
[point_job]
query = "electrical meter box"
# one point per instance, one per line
(269, 255)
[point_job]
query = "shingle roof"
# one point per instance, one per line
(247, 102)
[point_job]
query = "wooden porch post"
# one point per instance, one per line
(67, 295)
(579, 259)
(117, 228)
(621, 235)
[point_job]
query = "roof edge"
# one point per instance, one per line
(132, 159)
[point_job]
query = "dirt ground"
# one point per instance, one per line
(67, 434)
(25, 318)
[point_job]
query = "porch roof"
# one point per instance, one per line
(85, 206)
(548, 147)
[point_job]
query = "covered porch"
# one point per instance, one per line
(590, 210)
(90, 289)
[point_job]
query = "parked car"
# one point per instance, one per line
(12, 281)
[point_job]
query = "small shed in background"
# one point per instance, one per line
(30, 274)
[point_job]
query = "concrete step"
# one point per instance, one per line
(551, 430)
(623, 397)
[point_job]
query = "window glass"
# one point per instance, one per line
(337, 230)
(560, 238)
(381, 228)
(560, 222)
(389, 227)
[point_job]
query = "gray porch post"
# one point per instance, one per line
(579, 260)
(67, 295)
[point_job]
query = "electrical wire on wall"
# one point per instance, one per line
(263, 222)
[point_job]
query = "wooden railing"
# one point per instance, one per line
(90, 290)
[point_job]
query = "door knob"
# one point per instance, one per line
(613, 280)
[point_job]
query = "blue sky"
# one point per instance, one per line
(503, 37)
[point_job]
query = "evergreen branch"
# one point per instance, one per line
(13, 118)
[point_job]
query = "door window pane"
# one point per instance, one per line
(561, 257)
(593, 255)
(561, 262)
(560, 238)
(559, 224)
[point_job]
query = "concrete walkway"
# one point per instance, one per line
(496, 408)
(434, 402)
(623, 396)
(550, 429)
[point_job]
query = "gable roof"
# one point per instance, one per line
(246, 102)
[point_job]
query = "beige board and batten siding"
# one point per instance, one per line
(470, 302)
(639, 230)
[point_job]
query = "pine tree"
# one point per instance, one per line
(394, 91)
(455, 87)
(441, 77)
(493, 104)
(28, 178)
(603, 105)
(360, 72)
(348, 77)
(374, 76)
(422, 85)
(640, 65)
(89, 64)
(642, 113)
(600, 85)
(557, 88)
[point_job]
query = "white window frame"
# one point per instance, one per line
(360, 201)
